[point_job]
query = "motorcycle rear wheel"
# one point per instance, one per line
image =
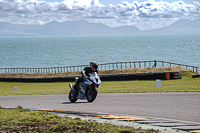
(91, 94)
(72, 97)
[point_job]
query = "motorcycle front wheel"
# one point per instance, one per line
(72, 97)
(91, 94)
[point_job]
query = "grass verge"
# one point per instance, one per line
(19, 120)
(186, 84)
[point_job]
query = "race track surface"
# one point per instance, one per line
(177, 106)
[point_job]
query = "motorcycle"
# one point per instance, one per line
(87, 89)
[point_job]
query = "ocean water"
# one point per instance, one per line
(59, 52)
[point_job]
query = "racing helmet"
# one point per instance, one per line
(94, 65)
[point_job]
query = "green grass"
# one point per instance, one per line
(19, 120)
(186, 84)
(7, 88)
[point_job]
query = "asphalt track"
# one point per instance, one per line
(176, 106)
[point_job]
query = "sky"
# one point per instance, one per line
(143, 14)
(115, 2)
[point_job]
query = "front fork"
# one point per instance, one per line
(72, 89)
(70, 86)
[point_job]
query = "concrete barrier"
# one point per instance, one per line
(108, 77)
(195, 75)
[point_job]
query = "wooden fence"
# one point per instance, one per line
(105, 66)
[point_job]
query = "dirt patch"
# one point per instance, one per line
(142, 70)
(101, 72)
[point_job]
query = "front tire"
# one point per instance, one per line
(91, 94)
(72, 96)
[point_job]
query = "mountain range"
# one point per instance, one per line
(84, 28)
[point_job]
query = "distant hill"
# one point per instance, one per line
(181, 27)
(84, 28)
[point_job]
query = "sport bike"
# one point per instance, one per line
(87, 89)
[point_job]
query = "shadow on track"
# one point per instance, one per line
(74, 103)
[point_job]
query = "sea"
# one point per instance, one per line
(73, 51)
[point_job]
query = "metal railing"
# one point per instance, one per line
(105, 66)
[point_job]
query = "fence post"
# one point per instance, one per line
(139, 65)
(193, 69)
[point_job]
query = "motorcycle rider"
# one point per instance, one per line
(85, 73)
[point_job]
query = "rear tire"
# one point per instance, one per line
(91, 94)
(72, 96)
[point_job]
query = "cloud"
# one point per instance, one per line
(145, 15)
